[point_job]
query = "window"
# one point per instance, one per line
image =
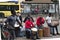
(8, 7)
(52, 8)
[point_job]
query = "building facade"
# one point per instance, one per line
(38, 1)
(41, 6)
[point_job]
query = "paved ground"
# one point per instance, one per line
(43, 38)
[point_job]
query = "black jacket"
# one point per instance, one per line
(20, 19)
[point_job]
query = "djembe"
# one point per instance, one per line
(40, 32)
(34, 30)
(55, 23)
(46, 31)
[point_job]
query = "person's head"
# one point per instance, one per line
(50, 15)
(13, 12)
(18, 14)
(28, 18)
(40, 16)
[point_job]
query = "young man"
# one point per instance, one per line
(19, 22)
(28, 25)
(10, 23)
(49, 21)
(39, 22)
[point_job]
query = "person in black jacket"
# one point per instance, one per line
(10, 23)
(28, 16)
(19, 20)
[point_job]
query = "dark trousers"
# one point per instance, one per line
(39, 27)
(29, 34)
(17, 31)
(12, 33)
(56, 29)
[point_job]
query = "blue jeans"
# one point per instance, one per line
(22, 33)
(51, 28)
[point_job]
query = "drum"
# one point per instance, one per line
(34, 30)
(40, 32)
(46, 31)
(55, 23)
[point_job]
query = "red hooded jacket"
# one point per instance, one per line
(40, 21)
(29, 24)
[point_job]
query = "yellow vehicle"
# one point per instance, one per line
(6, 7)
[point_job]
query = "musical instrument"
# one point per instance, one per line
(55, 23)
(46, 31)
(34, 30)
(40, 32)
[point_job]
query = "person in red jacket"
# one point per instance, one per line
(28, 25)
(39, 22)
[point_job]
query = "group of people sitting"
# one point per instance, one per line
(29, 23)
(14, 23)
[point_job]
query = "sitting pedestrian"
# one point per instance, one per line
(39, 22)
(28, 25)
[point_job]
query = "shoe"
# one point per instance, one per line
(38, 38)
(58, 33)
(28, 37)
(54, 34)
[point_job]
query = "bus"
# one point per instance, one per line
(6, 7)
